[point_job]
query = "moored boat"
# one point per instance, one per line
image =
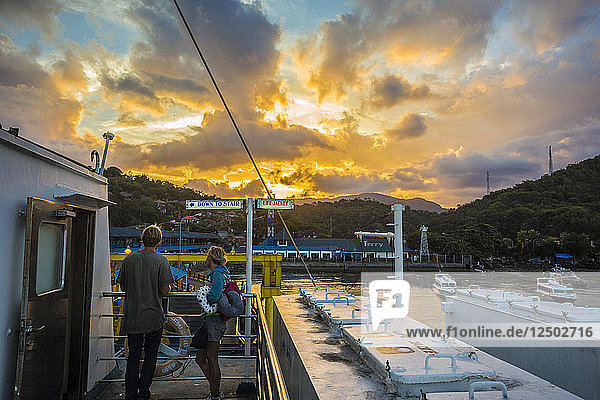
(444, 285)
(566, 277)
(551, 289)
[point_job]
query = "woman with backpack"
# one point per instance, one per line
(208, 338)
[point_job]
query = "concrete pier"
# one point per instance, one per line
(318, 363)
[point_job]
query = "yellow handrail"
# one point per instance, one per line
(275, 382)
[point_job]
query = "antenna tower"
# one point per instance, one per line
(487, 173)
(550, 166)
(424, 249)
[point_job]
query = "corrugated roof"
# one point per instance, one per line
(119, 231)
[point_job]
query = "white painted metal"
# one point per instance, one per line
(409, 365)
(579, 362)
(247, 327)
(398, 241)
(487, 386)
(27, 169)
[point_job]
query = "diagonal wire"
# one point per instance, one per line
(375, 220)
(239, 133)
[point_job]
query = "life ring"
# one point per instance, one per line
(182, 329)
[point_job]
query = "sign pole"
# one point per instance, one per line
(247, 328)
(398, 241)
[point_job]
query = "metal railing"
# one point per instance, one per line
(270, 381)
(120, 356)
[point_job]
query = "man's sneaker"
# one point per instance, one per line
(221, 397)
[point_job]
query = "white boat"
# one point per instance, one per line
(553, 290)
(444, 285)
(579, 361)
(566, 277)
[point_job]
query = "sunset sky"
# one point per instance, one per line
(408, 98)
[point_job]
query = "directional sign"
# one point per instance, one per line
(275, 204)
(230, 204)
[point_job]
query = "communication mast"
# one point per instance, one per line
(550, 166)
(424, 248)
(488, 181)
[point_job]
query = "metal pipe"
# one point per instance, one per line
(398, 241)
(190, 378)
(247, 327)
(174, 336)
(175, 358)
(171, 315)
(108, 136)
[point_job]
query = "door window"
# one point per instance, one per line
(51, 252)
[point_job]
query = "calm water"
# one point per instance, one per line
(425, 304)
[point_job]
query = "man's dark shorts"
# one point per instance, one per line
(212, 330)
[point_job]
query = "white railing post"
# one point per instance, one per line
(398, 241)
(247, 327)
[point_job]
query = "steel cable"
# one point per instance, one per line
(239, 133)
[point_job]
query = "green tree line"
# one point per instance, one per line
(558, 212)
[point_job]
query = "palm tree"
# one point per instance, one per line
(522, 239)
(532, 237)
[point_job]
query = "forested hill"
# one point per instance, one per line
(141, 200)
(566, 201)
(560, 212)
(556, 212)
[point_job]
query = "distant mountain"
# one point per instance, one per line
(416, 203)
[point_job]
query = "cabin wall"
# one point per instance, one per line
(100, 305)
(29, 170)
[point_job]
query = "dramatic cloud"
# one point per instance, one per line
(216, 145)
(336, 57)
(224, 190)
(129, 119)
(409, 98)
(468, 170)
(390, 90)
(410, 126)
(350, 182)
(546, 23)
(42, 13)
(32, 100)
(244, 64)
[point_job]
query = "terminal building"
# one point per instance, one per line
(330, 249)
(317, 249)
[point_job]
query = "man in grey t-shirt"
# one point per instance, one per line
(144, 277)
